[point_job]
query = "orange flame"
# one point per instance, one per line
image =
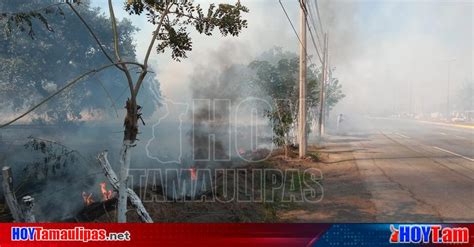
(193, 173)
(87, 198)
(106, 194)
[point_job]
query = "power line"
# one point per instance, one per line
(291, 23)
(314, 43)
(311, 16)
(294, 30)
(303, 7)
(319, 16)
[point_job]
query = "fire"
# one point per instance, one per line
(106, 194)
(87, 198)
(193, 173)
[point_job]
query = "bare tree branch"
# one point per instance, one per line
(116, 48)
(114, 30)
(112, 102)
(107, 93)
(114, 181)
(150, 47)
(122, 66)
(155, 34)
(69, 84)
(93, 35)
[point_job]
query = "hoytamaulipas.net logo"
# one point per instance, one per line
(435, 234)
(70, 234)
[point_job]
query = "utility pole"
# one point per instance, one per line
(448, 110)
(326, 85)
(321, 92)
(410, 103)
(448, 115)
(302, 85)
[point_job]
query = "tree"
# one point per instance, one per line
(172, 20)
(278, 82)
(465, 96)
(333, 93)
(32, 69)
(276, 75)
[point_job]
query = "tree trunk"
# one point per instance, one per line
(130, 135)
(9, 194)
(114, 181)
(131, 121)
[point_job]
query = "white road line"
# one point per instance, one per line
(447, 151)
(442, 133)
(461, 137)
(401, 135)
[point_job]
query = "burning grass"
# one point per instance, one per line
(201, 210)
(100, 202)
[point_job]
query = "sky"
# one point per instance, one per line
(386, 54)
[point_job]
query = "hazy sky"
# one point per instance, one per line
(380, 49)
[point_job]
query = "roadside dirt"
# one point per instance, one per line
(346, 199)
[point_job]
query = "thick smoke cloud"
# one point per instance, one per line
(390, 56)
(216, 87)
(381, 50)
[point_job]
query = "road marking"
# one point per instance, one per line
(457, 127)
(448, 124)
(442, 133)
(461, 137)
(447, 151)
(401, 135)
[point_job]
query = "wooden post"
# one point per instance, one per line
(28, 205)
(10, 197)
(115, 182)
(322, 88)
(326, 84)
(302, 87)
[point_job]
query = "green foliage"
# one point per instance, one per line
(333, 92)
(178, 40)
(33, 69)
(24, 20)
(52, 158)
(181, 14)
(279, 83)
(281, 121)
(465, 96)
(67, 42)
(28, 63)
(276, 75)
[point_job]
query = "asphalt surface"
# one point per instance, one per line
(415, 171)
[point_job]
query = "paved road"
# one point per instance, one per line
(416, 171)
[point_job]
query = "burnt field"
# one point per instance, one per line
(58, 167)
